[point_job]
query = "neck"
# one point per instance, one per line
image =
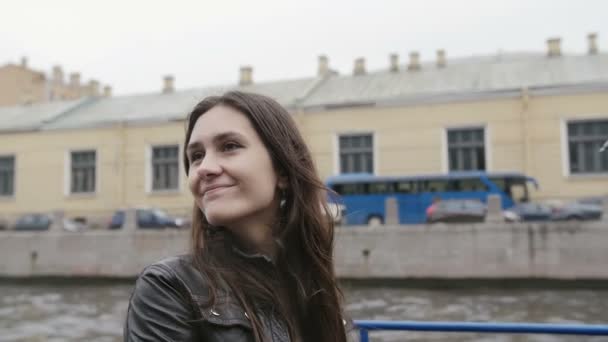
(256, 239)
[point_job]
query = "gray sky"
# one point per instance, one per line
(132, 44)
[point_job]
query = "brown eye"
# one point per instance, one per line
(230, 146)
(196, 156)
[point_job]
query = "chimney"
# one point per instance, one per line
(246, 75)
(592, 39)
(359, 66)
(553, 47)
(75, 79)
(394, 62)
(107, 91)
(441, 62)
(414, 61)
(168, 84)
(24, 62)
(94, 88)
(57, 74)
(323, 69)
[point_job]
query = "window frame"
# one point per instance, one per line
(151, 165)
(14, 177)
(486, 146)
(565, 140)
(69, 168)
(338, 152)
(149, 172)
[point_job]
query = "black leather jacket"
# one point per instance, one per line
(167, 304)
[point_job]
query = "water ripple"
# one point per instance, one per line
(40, 313)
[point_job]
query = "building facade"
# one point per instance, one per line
(544, 114)
(21, 85)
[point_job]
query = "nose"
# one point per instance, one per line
(209, 167)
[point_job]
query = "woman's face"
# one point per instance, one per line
(231, 175)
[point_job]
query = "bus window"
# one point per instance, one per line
(468, 184)
(514, 188)
(350, 189)
(501, 183)
(381, 188)
(434, 185)
(405, 187)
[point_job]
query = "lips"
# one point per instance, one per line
(214, 189)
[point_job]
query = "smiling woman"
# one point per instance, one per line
(260, 267)
(232, 177)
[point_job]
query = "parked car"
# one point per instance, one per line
(456, 211)
(33, 222)
(148, 218)
(594, 200)
(529, 211)
(576, 211)
(3, 224)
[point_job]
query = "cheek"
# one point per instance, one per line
(264, 186)
(193, 182)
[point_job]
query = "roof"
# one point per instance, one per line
(288, 92)
(171, 106)
(34, 116)
(146, 107)
(462, 78)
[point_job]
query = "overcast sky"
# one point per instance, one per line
(132, 44)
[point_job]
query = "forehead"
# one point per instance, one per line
(219, 120)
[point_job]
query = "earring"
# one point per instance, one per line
(283, 199)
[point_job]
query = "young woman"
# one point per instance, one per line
(260, 268)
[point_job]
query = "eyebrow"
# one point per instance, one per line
(219, 137)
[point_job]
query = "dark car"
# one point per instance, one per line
(576, 211)
(147, 218)
(33, 222)
(456, 211)
(528, 211)
(593, 200)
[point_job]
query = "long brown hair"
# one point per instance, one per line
(301, 287)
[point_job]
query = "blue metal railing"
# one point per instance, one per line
(365, 326)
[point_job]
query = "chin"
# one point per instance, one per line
(219, 218)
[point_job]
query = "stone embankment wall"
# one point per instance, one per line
(489, 251)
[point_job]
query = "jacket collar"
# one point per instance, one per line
(252, 256)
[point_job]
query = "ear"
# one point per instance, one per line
(282, 183)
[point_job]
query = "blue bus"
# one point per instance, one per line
(364, 195)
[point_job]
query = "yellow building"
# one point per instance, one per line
(20, 85)
(544, 114)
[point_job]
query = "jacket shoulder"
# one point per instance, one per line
(180, 272)
(161, 307)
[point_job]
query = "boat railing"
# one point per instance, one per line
(367, 326)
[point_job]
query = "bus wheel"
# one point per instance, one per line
(374, 221)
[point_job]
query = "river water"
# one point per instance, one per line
(95, 311)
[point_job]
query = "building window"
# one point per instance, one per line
(83, 172)
(466, 149)
(585, 138)
(7, 175)
(165, 167)
(356, 153)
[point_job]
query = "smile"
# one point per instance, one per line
(215, 191)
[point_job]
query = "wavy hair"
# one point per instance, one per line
(301, 287)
